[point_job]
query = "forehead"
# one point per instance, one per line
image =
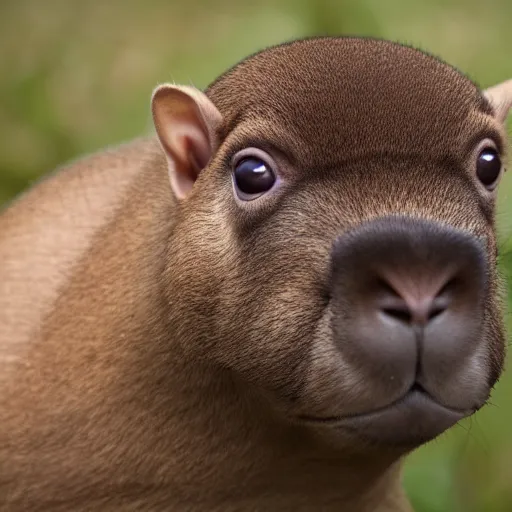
(351, 94)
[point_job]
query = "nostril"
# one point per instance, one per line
(392, 304)
(435, 311)
(401, 314)
(442, 300)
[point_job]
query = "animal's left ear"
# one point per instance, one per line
(500, 97)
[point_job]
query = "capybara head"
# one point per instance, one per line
(335, 245)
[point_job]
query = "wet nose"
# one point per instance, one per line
(404, 288)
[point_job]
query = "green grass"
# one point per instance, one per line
(76, 76)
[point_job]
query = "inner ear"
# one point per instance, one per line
(187, 125)
(500, 97)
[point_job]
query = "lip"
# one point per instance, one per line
(414, 418)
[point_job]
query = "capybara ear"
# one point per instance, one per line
(500, 97)
(186, 122)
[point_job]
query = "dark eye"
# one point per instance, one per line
(488, 166)
(253, 177)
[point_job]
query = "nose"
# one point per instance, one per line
(407, 293)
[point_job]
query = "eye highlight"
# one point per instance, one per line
(488, 167)
(253, 174)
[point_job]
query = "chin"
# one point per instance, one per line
(410, 421)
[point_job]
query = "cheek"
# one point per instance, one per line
(199, 258)
(242, 309)
(265, 333)
(496, 333)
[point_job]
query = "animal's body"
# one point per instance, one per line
(265, 306)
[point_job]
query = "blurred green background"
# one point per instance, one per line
(77, 75)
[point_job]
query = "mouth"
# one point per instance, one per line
(414, 418)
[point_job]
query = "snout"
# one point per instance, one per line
(408, 296)
(407, 309)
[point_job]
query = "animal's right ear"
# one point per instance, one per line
(500, 97)
(186, 123)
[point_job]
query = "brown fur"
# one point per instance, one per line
(156, 353)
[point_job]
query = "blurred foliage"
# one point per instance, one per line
(76, 76)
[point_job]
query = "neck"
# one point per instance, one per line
(239, 453)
